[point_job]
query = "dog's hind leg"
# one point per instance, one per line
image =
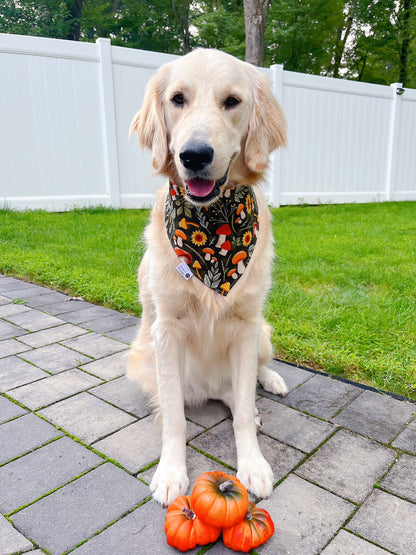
(141, 366)
(269, 380)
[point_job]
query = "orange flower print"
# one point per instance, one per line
(247, 237)
(198, 238)
(248, 204)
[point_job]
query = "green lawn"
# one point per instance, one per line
(343, 298)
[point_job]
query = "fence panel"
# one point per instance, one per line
(50, 141)
(131, 71)
(405, 179)
(337, 140)
(66, 108)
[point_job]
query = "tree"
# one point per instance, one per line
(220, 25)
(74, 18)
(45, 18)
(384, 46)
(300, 34)
(255, 17)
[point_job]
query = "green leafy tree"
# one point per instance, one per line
(160, 25)
(220, 25)
(301, 34)
(384, 46)
(45, 18)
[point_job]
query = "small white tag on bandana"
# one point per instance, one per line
(184, 270)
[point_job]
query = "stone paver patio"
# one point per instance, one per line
(78, 446)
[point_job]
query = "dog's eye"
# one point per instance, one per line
(231, 102)
(178, 99)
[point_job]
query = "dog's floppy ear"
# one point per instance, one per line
(267, 127)
(149, 122)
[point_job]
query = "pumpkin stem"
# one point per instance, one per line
(189, 513)
(248, 516)
(225, 486)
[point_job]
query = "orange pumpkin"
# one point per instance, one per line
(184, 530)
(219, 499)
(254, 530)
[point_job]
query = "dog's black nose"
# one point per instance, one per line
(196, 157)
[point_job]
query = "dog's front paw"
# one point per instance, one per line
(168, 483)
(273, 383)
(257, 476)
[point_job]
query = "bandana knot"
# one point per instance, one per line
(217, 241)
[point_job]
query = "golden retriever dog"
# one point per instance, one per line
(211, 122)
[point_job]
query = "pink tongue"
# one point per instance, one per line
(200, 187)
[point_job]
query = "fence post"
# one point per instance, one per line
(397, 91)
(276, 161)
(109, 121)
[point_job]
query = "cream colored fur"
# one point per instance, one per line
(195, 344)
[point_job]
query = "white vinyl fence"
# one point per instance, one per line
(66, 108)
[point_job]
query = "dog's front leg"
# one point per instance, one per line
(170, 478)
(253, 469)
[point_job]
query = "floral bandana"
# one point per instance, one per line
(218, 240)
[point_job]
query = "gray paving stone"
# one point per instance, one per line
(8, 330)
(220, 549)
(306, 517)
(11, 541)
(402, 478)
(125, 335)
(292, 375)
(34, 475)
(137, 445)
(4, 300)
(348, 465)
(43, 301)
(55, 358)
(12, 309)
(25, 291)
(16, 285)
(86, 417)
(406, 440)
(139, 533)
(68, 305)
(7, 279)
(291, 426)
(77, 511)
(83, 314)
(47, 337)
(24, 434)
(281, 457)
(94, 345)
(110, 323)
(55, 388)
(196, 464)
(208, 414)
(9, 410)
(375, 415)
(108, 367)
(219, 442)
(387, 521)
(15, 372)
(10, 347)
(124, 394)
(345, 543)
(321, 396)
(34, 320)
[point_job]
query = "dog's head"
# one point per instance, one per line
(211, 122)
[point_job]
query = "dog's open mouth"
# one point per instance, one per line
(203, 190)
